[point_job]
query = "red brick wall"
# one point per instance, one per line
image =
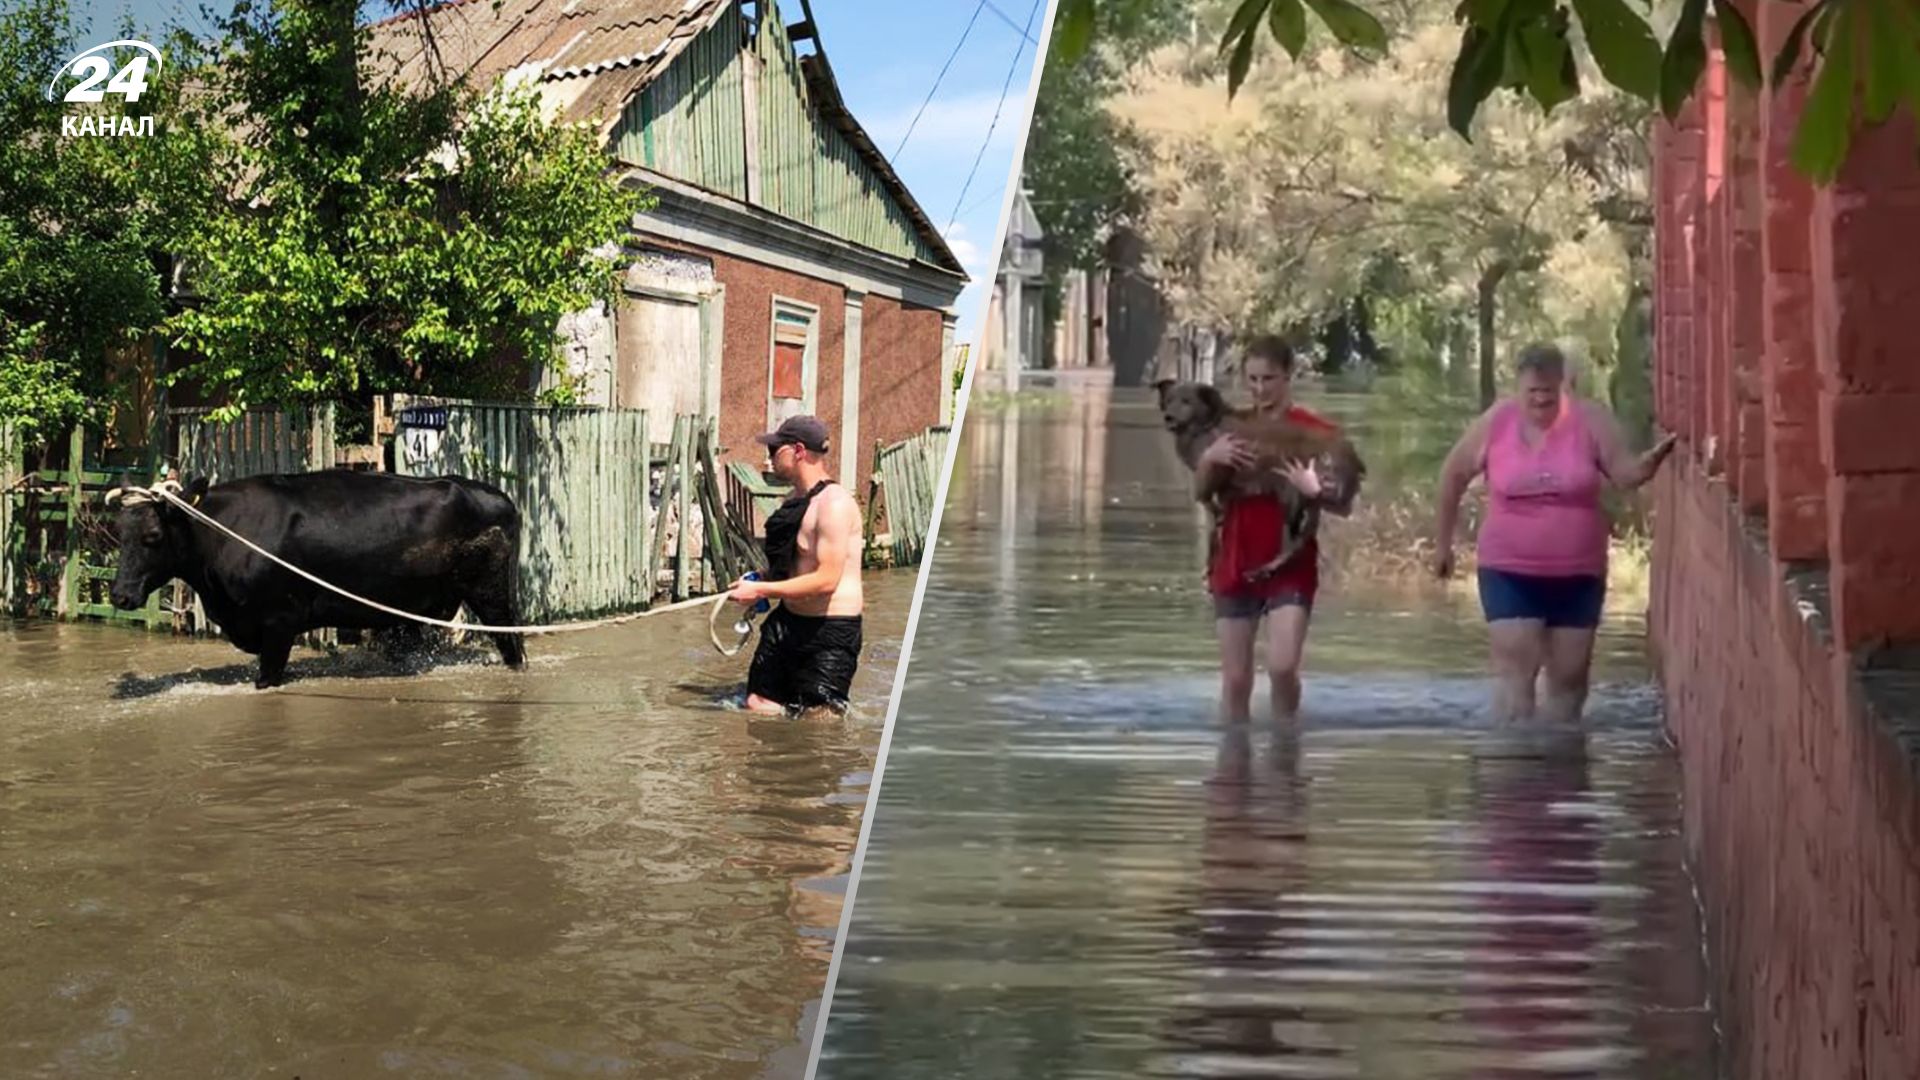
(1802, 814)
(899, 360)
(899, 373)
(1786, 573)
(747, 343)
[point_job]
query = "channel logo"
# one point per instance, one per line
(92, 74)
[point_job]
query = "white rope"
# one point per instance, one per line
(740, 639)
(169, 490)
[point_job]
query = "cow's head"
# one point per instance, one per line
(154, 535)
(1189, 406)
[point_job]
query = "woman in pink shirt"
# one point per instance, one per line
(1542, 552)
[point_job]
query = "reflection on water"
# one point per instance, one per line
(596, 867)
(1076, 873)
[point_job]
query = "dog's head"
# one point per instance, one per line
(1189, 406)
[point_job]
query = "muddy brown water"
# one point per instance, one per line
(1074, 872)
(593, 868)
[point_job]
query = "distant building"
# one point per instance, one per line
(1016, 331)
(786, 268)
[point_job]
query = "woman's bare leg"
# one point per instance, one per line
(1519, 648)
(1568, 662)
(1286, 644)
(1236, 667)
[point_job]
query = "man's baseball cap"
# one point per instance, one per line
(807, 431)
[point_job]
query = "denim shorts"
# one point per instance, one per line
(1572, 602)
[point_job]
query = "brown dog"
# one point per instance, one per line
(1197, 414)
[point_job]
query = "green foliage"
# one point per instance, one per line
(37, 393)
(369, 236)
(1819, 148)
(76, 273)
(1623, 46)
(1631, 388)
(1075, 161)
(1286, 20)
(1685, 59)
(1327, 180)
(1074, 158)
(963, 361)
(1870, 46)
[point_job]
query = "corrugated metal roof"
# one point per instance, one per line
(590, 57)
(563, 38)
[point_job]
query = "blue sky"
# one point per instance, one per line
(887, 54)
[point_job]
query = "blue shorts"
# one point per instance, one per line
(1572, 602)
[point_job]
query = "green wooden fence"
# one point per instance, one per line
(259, 442)
(909, 482)
(579, 477)
(56, 539)
(609, 522)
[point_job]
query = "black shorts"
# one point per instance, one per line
(805, 660)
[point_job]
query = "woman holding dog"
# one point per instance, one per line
(1252, 530)
(1542, 549)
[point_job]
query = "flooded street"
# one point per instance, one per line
(596, 867)
(1076, 873)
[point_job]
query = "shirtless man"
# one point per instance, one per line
(810, 643)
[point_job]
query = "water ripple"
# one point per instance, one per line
(1075, 872)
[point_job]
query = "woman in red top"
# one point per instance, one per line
(1252, 530)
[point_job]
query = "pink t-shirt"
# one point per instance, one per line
(1543, 505)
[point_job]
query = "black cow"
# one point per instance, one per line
(423, 546)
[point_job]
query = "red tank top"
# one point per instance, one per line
(1252, 532)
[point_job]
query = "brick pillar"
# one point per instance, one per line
(1664, 269)
(1796, 479)
(1711, 307)
(1866, 293)
(1697, 226)
(1679, 251)
(1746, 330)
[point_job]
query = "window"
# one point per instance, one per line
(793, 359)
(790, 333)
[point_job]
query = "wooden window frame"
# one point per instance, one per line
(809, 356)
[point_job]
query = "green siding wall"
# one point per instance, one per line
(690, 123)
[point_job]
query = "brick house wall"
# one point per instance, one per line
(1786, 611)
(901, 389)
(900, 354)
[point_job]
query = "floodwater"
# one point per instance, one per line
(1075, 872)
(592, 868)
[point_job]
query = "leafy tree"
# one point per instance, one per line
(1338, 182)
(367, 235)
(1074, 162)
(1631, 389)
(77, 272)
(1868, 54)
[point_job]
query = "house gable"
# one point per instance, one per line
(695, 91)
(738, 112)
